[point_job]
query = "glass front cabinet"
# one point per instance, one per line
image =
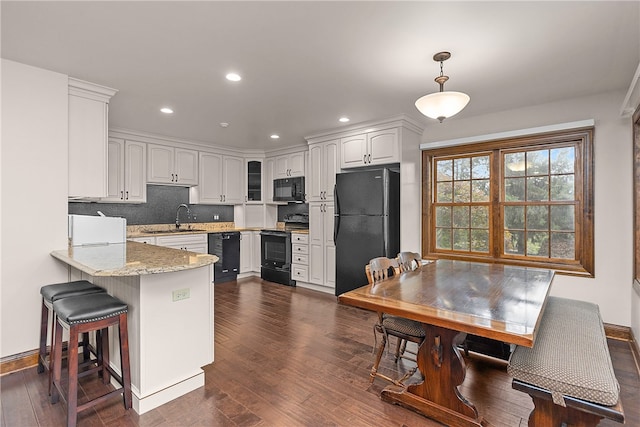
(254, 181)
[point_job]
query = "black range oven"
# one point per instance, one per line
(276, 257)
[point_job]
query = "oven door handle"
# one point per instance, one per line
(273, 233)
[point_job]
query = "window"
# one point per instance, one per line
(525, 201)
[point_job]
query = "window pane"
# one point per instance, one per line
(538, 188)
(514, 217)
(480, 240)
(445, 192)
(563, 160)
(538, 243)
(462, 168)
(514, 242)
(480, 217)
(461, 239)
(480, 190)
(461, 216)
(537, 217)
(445, 170)
(461, 191)
(443, 216)
(563, 218)
(538, 162)
(443, 238)
(562, 187)
(480, 167)
(514, 164)
(563, 245)
(514, 189)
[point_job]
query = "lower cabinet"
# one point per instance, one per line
(250, 256)
(191, 242)
(300, 257)
(322, 248)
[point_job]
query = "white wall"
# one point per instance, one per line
(34, 197)
(611, 288)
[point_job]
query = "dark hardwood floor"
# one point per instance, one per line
(293, 357)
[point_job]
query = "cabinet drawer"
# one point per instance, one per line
(300, 249)
(300, 259)
(299, 238)
(300, 272)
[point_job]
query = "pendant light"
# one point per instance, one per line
(442, 105)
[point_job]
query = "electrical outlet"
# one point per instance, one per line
(180, 294)
(215, 217)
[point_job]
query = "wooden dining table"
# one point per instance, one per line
(452, 299)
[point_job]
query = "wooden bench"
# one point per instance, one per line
(568, 372)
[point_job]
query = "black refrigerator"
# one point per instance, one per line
(367, 223)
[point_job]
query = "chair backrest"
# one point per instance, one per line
(409, 261)
(378, 269)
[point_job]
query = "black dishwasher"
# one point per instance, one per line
(226, 246)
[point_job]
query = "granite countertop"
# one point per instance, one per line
(197, 228)
(130, 259)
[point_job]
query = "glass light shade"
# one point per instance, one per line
(442, 105)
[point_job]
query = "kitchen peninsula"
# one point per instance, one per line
(170, 298)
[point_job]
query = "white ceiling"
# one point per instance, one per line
(305, 64)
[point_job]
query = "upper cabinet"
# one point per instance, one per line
(324, 163)
(289, 165)
(254, 181)
(169, 165)
(269, 173)
(221, 180)
(369, 149)
(127, 172)
(88, 121)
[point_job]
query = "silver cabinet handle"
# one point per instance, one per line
(176, 177)
(364, 159)
(369, 158)
(121, 195)
(127, 193)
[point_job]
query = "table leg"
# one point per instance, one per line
(443, 368)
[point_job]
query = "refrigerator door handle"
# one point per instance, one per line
(336, 202)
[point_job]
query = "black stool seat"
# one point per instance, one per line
(51, 293)
(88, 308)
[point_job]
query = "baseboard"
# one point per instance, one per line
(635, 350)
(616, 332)
(18, 362)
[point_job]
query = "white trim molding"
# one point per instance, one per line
(508, 134)
(632, 99)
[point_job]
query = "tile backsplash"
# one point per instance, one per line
(161, 206)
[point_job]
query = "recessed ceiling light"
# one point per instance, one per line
(234, 77)
(224, 124)
(274, 136)
(166, 110)
(343, 119)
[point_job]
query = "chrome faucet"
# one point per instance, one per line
(178, 213)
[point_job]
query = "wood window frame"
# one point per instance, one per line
(584, 264)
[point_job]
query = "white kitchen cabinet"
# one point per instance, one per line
(254, 191)
(256, 259)
(145, 239)
(269, 174)
(289, 165)
(189, 242)
(127, 172)
(221, 180)
(88, 122)
(321, 245)
(170, 165)
(300, 257)
(323, 165)
(246, 251)
(369, 149)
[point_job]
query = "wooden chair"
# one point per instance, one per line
(403, 329)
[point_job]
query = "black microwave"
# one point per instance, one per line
(288, 189)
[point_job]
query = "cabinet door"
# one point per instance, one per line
(282, 167)
(87, 147)
(383, 147)
(353, 152)
(296, 164)
(256, 261)
(314, 185)
(135, 172)
(246, 251)
(316, 246)
(115, 167)
(186, 167)
(210, 186)
(253, 183)
(160, 164)
(232, 180)
(331, 164)
(269, 173)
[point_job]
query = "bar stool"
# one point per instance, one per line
(87, 313)
(50, 294)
